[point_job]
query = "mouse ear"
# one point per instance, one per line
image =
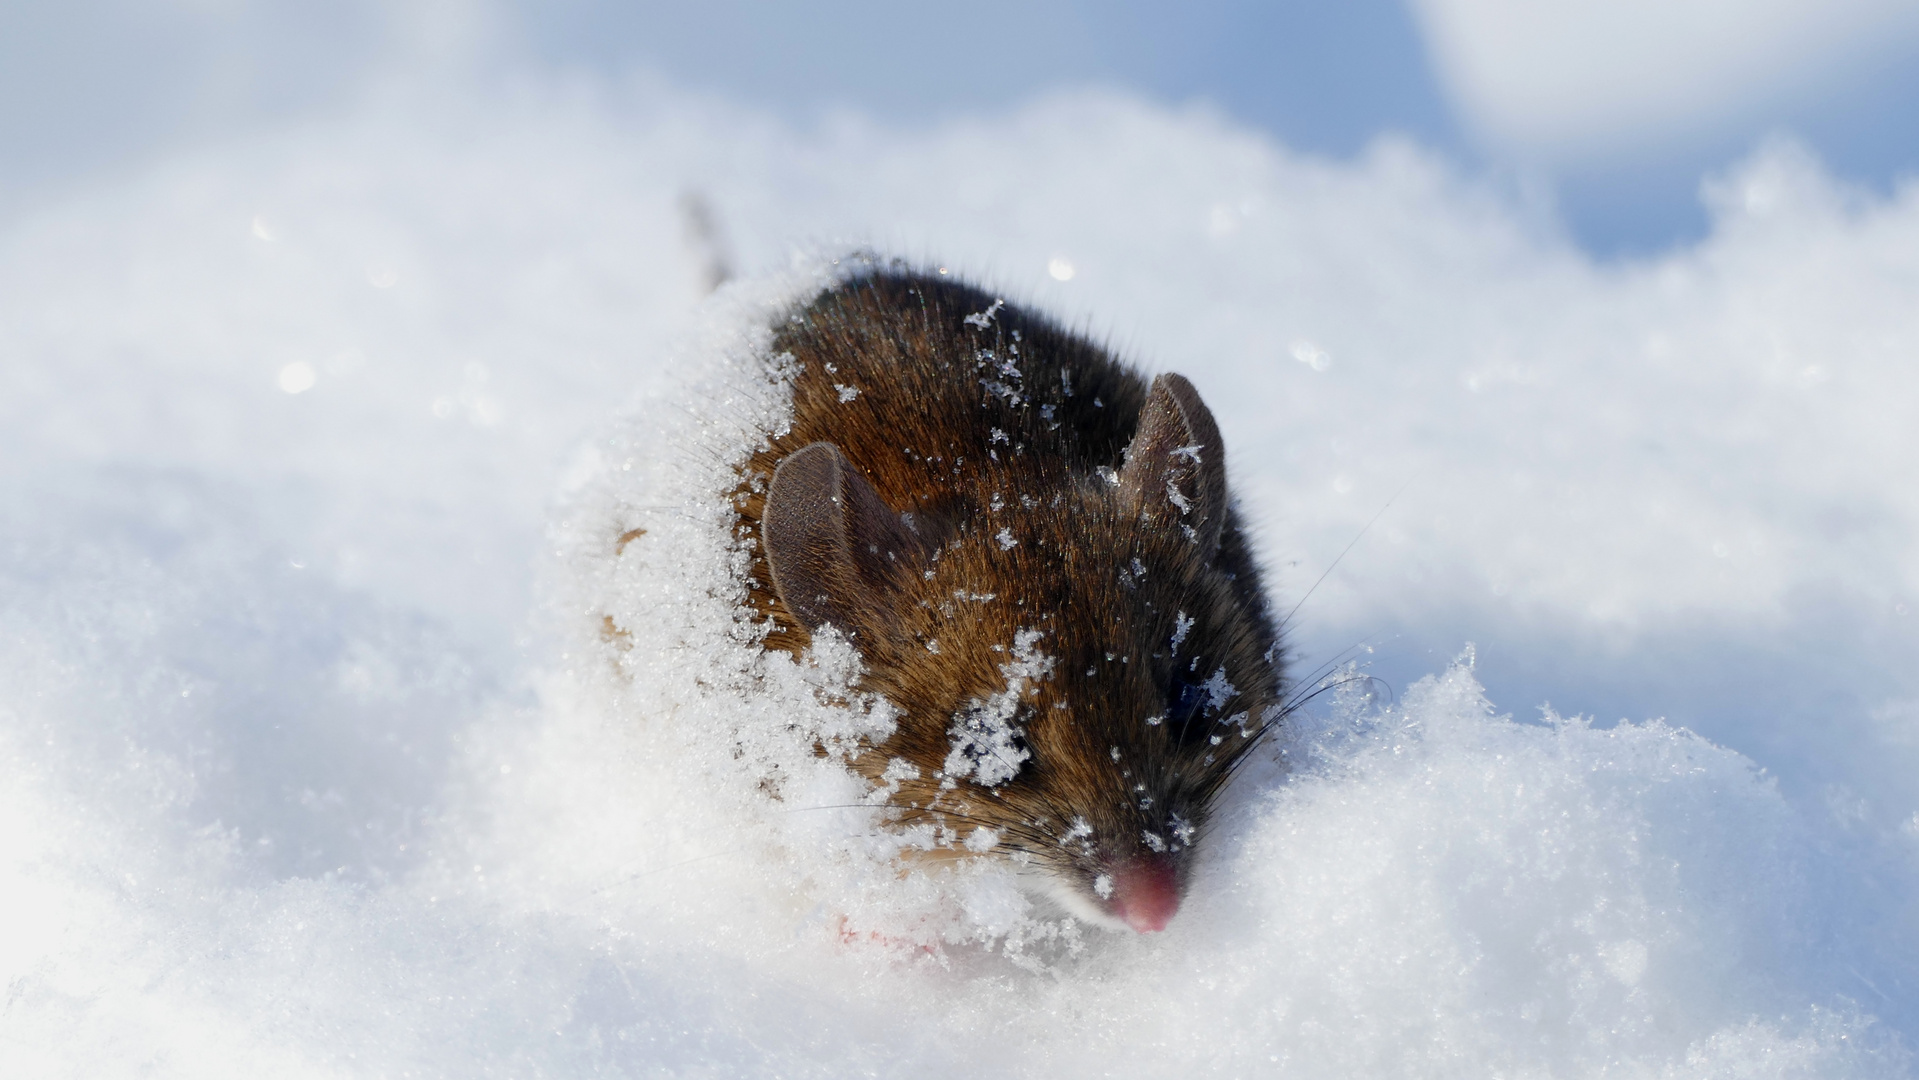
(1175, 468)
(834, 547)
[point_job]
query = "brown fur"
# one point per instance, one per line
(1004, 429)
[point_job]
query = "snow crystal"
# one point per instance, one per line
(986, 741)
(980, 320)
(1218, 690)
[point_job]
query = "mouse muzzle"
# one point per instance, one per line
(1142, 892)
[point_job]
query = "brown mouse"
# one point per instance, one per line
(1036, 556)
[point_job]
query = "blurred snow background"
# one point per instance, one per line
(1608, 319)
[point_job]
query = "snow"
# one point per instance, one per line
(985, 735)
(327, 456)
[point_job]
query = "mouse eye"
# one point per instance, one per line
(1182, 702)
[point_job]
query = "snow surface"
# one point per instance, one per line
(314, 760)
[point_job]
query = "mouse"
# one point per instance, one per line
(1034, 552)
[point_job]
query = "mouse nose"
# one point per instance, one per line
(1145, 893)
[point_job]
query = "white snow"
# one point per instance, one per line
(1182, 625)
(317, 757)
(985, 735)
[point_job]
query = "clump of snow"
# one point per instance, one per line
(305, 769)
(986, 734)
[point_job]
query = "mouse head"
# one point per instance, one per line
(1078, 669)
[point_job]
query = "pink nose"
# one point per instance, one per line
(1145, 893)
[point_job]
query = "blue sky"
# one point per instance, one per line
(100, 85)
